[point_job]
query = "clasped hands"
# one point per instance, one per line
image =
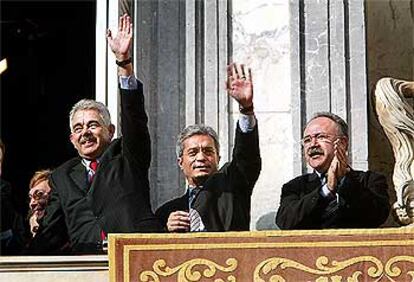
(339, 166)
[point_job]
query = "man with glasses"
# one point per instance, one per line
(217, 199)
(39, 195)
(334, 195)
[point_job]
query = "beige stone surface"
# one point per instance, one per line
(54, 268)
(261, 40)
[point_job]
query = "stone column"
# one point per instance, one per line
(181, 54)
(329, 70)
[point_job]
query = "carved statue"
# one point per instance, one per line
(396, 115)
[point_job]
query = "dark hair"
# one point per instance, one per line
(342, 126)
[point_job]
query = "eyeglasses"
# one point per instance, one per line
(38, 195)
(320, 137)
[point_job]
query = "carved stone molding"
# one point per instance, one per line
(396, 116)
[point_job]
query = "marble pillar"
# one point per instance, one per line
(261, 40)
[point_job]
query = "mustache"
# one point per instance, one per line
(86, 137)
(315, 151)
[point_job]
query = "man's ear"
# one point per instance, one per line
(346, 143)
(111, 129)
(180, 162)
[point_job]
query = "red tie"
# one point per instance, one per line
(93, 166)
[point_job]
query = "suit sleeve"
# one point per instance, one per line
(300, 209)
(135, 134)
(365, 199)
(246, 162)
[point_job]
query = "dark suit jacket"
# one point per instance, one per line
(224, 201)
(364, 202)
(118, 199)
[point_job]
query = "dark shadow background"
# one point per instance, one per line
(50, 50)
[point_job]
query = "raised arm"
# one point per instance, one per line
(246, 154)
(134, 119)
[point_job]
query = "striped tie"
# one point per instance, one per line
(195, 218)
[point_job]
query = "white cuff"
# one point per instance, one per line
(128, 82)
(247, 123)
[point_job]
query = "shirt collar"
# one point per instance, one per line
(86, 163)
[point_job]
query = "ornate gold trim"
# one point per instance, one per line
(115, 238)
(186, 272)
(326, 269)
(270, 233)
(284, 245)
(393, 270)
(111, 257)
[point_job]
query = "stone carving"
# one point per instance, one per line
(396, 116)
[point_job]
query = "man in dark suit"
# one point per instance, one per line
(334, 195)
(106, 188)
(217, 200)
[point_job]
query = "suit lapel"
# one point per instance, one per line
(313, 182)
(78, 175)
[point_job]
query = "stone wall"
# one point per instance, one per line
(390, 53)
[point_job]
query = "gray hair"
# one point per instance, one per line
(342, 126)
(196, 129)
(88, 104)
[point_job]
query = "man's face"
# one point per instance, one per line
(90, 136)
(39, 196)
(199, 160)
(319, 137)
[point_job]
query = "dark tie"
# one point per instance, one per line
(323, 178)
(330, 213)
(93, 166)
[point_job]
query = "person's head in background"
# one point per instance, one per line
(39, 195)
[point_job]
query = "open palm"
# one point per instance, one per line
(240, 86)
(121, 43)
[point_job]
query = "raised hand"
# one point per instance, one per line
(339, 166)
(121, 44)
(240, 85)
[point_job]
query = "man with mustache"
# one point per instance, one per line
(105, 189)
(334, 195)
(217, 199)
